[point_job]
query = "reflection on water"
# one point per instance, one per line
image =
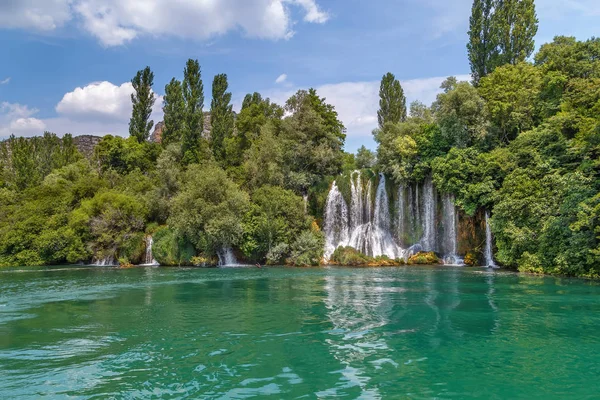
(295, 333)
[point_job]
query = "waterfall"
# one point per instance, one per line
(107, 261)
(489, 254)
(149, 258)
(364, 226)
(400, 215)
(356, 205)
(428, 242)
(336, 221)
(227, 258)
(365, 222)
(450, 232)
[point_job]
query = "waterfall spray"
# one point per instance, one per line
(489, 255)
(149, 258)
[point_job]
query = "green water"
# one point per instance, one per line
(297, 333)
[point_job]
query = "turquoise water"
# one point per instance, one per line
(297, 333)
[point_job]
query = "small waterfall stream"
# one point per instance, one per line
(227, 258)
(450, 232)
(149, 260)
(107, 261)
(489, 254)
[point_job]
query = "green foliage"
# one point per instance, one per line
(500, 32)
(107, 221)
(25, 162)
(206, 212)
(460, 113)
(174, 110)
(120, 155)
(511, 93)
(276, 217)
(142, 100)
(307, 250)
(392, 103)
(365, 158)
(221, 116)
(483, 39)
(172, 249)
(193, 145)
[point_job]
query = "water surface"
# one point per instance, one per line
(430, 332)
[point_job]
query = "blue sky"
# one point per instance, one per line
(67, 63)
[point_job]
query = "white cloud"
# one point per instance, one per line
(281, 78)
(97, 101)
(17, 119)
(116, 22)
(313, 12)
(5, 81)
(42, 15)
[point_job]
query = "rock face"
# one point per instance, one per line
(86, 144)
(156, 136)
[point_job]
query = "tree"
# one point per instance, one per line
(193, 94)
(365, 158)
(143, 100)
(483, 39)
(460, 113)
(174, 109)
(511, 93)
(221, 116)
(516, 23)
(392, 103)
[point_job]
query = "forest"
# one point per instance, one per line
(522, 140)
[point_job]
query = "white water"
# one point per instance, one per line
(107, 261)
(418, 224)
(364, 227)
(429, 208)
(450, 232)
(489, 254)
(149, 260)
(227, 258)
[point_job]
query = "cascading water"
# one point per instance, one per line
(400, 209)
(336, 221)
(107, 261)
(364, 227)
(149, 257)
(428, 242)
(366, 224)
(450, 232)
(227, 258)
(489, 254)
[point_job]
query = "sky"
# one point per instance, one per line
(67, 64)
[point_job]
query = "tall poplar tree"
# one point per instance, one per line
(516, 23)
(483, 39)
(221, 115)
(174, 110)
(392, 103)
(143, 100)
(193, 95)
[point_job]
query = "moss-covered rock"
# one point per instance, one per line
(352, 257)
(424, 258)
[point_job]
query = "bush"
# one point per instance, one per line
(169, 249)
(307, 250)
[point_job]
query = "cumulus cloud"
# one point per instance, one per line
(116, 22)
(17, 119)
(281, 78)
(101, 102)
